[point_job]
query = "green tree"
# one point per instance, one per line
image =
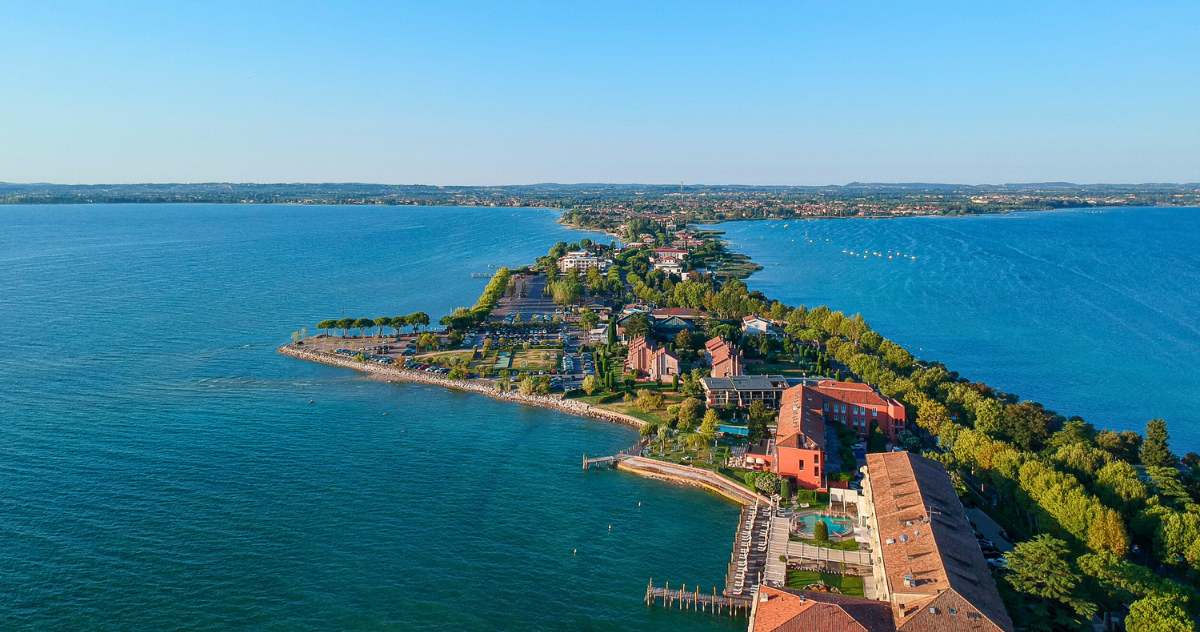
(1155, 449)
(767, 482)
(1040, 567)
(590, 385)
(689, 412)
(758, 415)
(636, 325)
(612, 331)
(1123, 445)
(588, 319)
(988, 416)
(709, 426)
(381, 322)
(345, 324)
(663, 433)
(363, 324)
(398, 323)
(326, 325)
(821, 531)
(1158, 613)
(683, 339)
(1028, 425)
(417, 319)
(527, 385)
(648, 401)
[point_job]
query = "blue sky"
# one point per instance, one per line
(494, 93)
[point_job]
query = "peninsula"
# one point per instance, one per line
(878, 489)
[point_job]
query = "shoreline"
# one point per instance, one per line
(645, 467)
(392, 373)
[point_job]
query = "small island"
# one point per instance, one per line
(852, 459)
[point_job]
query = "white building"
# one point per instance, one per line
(669, 260)
(581, 260)
(756, 326)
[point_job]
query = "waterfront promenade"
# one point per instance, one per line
(483, 387)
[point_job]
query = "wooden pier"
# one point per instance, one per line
(694, 599)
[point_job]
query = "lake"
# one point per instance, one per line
(163, 468)
(1093, 312)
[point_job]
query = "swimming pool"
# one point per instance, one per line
(837, 526)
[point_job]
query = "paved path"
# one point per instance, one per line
(777, 545)
(800, 550)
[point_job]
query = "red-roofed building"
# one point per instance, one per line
(928, 563)
(804, 410)
(857, 405)
(650, 362)
(799, 451)
(724, 358)
(783, 610)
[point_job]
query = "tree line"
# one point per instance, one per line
(416, 320)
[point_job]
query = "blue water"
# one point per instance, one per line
(836, 526)
(1093, 312)
(161, 468)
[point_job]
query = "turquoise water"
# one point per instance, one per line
(1093, 312)
(836, 526)
(162, 468)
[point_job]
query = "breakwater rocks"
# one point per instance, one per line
(483, 387)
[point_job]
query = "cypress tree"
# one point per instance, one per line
(1155, 450)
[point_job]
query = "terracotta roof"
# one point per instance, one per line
(715, 343)
(801, 421)
(931, 561)
(851, 392)
(796, 611)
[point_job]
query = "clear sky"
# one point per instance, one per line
(512, 92)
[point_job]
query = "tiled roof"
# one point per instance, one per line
(931, 560)
(795, 611)
(715, 343)
(801, 422)
(851, 392)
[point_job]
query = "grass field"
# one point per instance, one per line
(535, 359)
(843, 545)
(444, 357)
(845, 584)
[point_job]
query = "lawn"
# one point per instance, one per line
(849, 544)
(445, 357)
(535, 359)
(850, 585)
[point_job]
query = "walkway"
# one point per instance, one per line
(800, 550)
(777, 546)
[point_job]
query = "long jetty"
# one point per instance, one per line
(695, 599)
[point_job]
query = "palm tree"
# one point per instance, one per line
(345, 324)
(663, 433)
(381, 322)
(363, 325)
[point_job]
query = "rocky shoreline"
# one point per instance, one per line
(483, 387)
